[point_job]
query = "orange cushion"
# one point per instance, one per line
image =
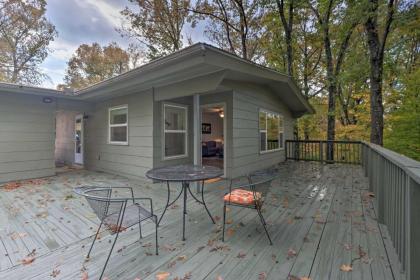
(241, 196)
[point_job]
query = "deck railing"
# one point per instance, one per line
(393, 178)
(395, 181)
(324, 151)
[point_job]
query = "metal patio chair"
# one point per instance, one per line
(250, 195)
(117, 213)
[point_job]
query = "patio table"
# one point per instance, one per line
(184, 174)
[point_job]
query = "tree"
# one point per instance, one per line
(234, 25)
(287, 24)
(157, 24)
(323, 12)
(376, 41)
(25, 34)
(93, 63)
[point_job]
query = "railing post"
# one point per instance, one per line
(413, 230)
(321, 151)
(379, 189)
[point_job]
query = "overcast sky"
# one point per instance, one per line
(85, 21)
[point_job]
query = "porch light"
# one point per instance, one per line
(221, 114)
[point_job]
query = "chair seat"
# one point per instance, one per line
(133, 214)
(242, 197)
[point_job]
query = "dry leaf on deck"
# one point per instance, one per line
(291, 253)
(262, 276)
(55, 272)
(17, 235)
(346, 268)
(182, 258)
(230, 232)
(12, 185)
(85, 275)
(29, 258)
(241, 255)
(162, 275)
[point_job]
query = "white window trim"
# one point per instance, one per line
(281, 130)
(185, 131)
(124, 143)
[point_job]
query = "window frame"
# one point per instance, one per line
(164, 131)
(281, 131)
(110, 109)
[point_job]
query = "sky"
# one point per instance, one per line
(84, 22)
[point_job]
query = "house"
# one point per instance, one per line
(200, 104)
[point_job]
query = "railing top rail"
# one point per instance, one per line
(410, 166)
(326, 141)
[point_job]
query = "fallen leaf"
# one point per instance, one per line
(229, 221)
(262, 276)
(241, 255)
(219, 278)
(230, 232)
(182, 258)
(346, 268)
(55, 273)
(115, 228)
(85, 275)
(162, 275)
(291, 253)
(17, 235)
(169, 248)
(12, 185)
(187, 276)
(29, 258)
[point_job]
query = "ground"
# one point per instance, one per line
(320, 218)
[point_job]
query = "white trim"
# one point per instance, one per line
(225, 139)
(164, 131)
(79, 160)
(281, 130)
(123, 143)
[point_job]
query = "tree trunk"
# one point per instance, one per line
(376, 52)
(376, 106)
(331, 94)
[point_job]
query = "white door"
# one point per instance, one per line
(78, 139)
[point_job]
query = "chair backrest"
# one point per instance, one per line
(101, 202)
(261, 188)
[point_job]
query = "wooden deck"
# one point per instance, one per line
(320, 218)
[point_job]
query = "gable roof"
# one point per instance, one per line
(194, 61)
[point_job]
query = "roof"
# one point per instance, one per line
(196, 60)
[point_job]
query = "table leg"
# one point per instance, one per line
(204, 203)
(167, 203)
(185, 186)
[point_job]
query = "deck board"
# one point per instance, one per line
(318, 216)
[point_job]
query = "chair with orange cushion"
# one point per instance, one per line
(250, 195)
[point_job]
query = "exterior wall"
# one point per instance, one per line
(64, 137)
(26, 137)
(247, 100)
(132, 160)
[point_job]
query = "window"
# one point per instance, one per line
(118, 125)
(175, 131)
(271, 131)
